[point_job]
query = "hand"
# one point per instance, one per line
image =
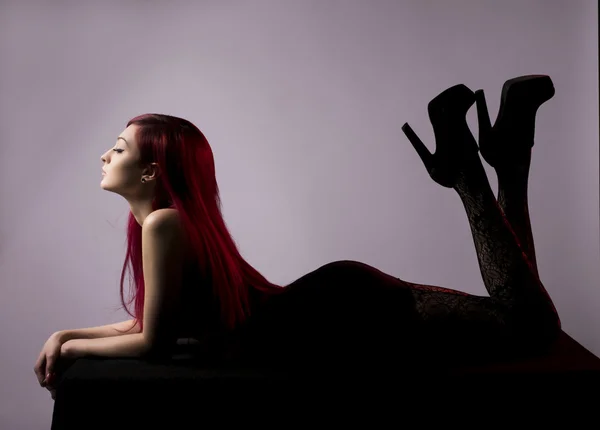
(46, 363)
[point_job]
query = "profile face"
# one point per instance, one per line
(121, 170)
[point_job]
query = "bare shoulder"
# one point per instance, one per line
(164, 225)
(163, 220)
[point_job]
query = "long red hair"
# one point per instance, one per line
(187, 182)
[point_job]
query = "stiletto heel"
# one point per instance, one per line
(454, 141)
(509, 141)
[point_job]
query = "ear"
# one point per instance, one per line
(152, 171)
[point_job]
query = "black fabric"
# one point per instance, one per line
(177, 393)
(342, 314)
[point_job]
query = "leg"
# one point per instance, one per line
(504, 267)
(512, 199)
(505, 270)
(507, 147)
(456, 164)
(467, 329)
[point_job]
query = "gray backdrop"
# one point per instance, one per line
(302, 102)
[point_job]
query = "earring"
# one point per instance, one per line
(143, 180)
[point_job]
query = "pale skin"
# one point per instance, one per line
(164, 249)
(123, 174)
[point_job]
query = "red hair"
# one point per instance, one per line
(187, 183)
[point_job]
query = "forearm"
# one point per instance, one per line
(109, 330)
(127, 345)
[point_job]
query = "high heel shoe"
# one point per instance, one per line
(454, 142)
(508, 143)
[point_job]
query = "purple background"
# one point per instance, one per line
(302, 102)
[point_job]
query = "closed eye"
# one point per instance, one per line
(119, 150)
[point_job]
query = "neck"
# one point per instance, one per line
(141, 209)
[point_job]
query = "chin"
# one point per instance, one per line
(104, 186)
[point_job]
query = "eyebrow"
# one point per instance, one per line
(127, 143)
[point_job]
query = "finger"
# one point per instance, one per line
(485, 125)
(50, 380)
(50, 364)
(417, 144)
(39, 368)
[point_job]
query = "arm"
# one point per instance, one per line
(70, 346)
(108, 330)
(162, 257)
(127, 345)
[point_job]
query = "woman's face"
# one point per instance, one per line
(121, 170)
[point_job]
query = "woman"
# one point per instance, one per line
(191, 281)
